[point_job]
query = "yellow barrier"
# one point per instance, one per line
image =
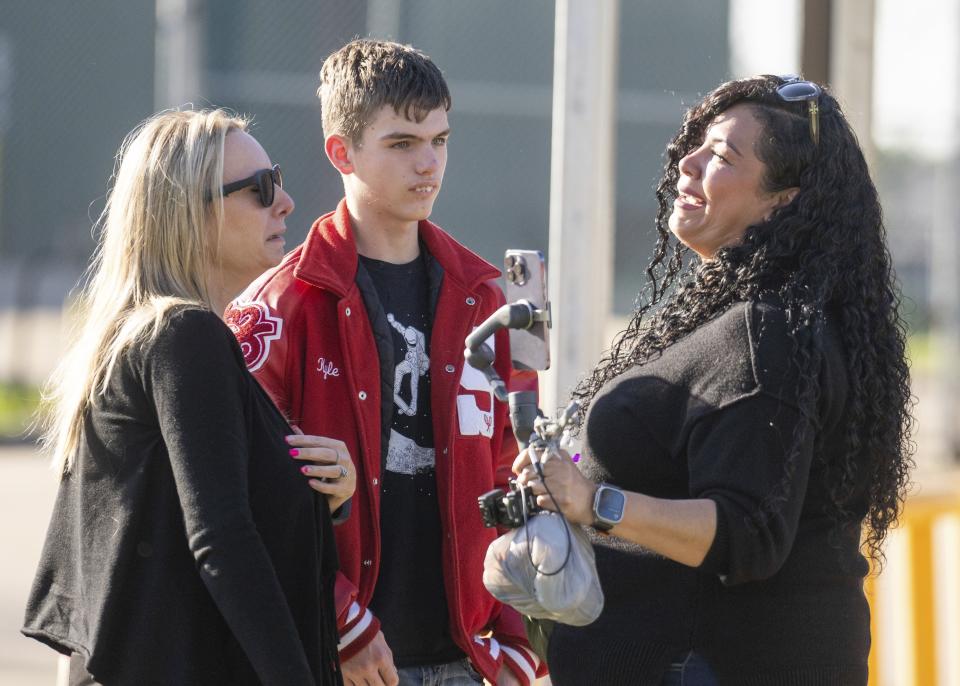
(920, 515)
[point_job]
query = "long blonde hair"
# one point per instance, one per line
(160, 226)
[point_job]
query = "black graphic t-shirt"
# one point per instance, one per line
(409, 598)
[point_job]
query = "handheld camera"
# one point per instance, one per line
(513, 508)
(507, 509)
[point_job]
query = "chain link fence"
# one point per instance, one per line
(77, 75)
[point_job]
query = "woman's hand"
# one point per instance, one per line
(682, 530)
(332, 473)
(571, 490)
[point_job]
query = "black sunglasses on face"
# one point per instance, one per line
(795, 89)
(266, 180)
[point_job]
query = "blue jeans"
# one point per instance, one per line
(459, 673)
(689, 670)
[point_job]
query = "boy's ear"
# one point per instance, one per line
(339, 152)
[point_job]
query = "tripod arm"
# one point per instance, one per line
(519, 315)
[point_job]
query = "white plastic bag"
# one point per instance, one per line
(571, 595)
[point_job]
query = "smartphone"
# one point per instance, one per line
(526, 276)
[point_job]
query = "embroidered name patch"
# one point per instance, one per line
(327, 368)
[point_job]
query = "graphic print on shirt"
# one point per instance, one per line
(414, 365)
(405, 454)
(410, 598)
(406, 457)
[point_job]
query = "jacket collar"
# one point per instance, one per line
(329, 256)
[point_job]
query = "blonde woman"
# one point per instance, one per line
(184, 546)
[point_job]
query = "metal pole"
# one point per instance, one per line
(851, 66)
(6, 106)
(178, 71)
(815, 50)
(383, 19)
(582, 185)
(944, 313)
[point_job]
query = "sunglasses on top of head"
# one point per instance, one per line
(795, 89)
(265, 180)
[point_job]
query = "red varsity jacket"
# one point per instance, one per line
(306, 336)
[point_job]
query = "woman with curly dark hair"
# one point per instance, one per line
(749, 430)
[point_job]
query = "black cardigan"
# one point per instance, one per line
(185, 546)
(779, 598)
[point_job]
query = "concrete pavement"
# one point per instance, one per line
(27, 489)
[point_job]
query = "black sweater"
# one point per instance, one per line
(185, 547)
(779, 598)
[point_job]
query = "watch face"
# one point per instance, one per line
(610, 504)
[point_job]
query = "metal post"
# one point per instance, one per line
(943, 404)
(383, 19)
(815, 50)
(178, 75)
(945, 312)
(851, 66)
(582, 185)
(6, 107)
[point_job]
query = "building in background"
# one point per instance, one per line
(74, 77)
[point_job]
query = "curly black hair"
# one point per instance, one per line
(823, 252)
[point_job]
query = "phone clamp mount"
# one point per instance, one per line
(528, 318)
(520, 316)
(530, 350)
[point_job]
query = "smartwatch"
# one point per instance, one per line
(608, 505)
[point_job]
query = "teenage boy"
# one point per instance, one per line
(358, 335)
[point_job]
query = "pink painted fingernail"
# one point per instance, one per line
(576, 457)
(304, 469)
(294, 452)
